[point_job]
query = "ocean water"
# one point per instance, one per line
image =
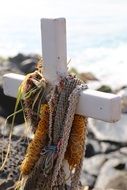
(96, 33)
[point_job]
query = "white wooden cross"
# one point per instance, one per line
(94, 104)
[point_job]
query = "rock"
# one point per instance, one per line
(6, 184)
(91, 168)
(123, 94)
(28, 65)
(89, 150)
(123, 151)
(115, 132)
(19, 130)
(7, 66)
(18, 58)
(19, 64)
(11, 171)
(87, 179)
(117, 155)
(87, 76)
(105, 88)
(107, 147)
(2, 124)
(25, 63)
(7, 105)
(110, 171)
(93, 165)
(92, 148)
(119, 182)
(103, 189)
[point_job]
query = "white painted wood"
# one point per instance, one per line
(11, 82)
(53, 32)
(99, 105)
(94, 104)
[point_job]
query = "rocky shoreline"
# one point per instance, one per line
(105, 162)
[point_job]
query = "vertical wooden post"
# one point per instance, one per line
(54, 51)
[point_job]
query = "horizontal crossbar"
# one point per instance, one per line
(94, 104)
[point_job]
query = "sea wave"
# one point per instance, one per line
(107, 63)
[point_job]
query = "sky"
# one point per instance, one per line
(89, 23)
(96, 30)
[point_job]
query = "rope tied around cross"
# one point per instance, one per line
(58, 133)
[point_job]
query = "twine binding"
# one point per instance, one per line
(47, 171)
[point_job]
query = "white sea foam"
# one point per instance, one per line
(108, 64)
